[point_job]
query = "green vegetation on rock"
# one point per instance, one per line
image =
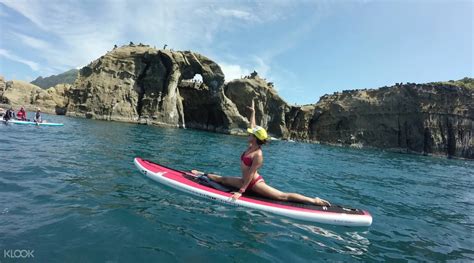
(466, 82)
(67, 77)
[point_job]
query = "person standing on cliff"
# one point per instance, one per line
(250, 161)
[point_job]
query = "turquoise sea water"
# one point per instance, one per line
(72, 194)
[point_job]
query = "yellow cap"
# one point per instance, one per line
(259, 132)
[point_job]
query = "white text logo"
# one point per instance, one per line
(18, 253)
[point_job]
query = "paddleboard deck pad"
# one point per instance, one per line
(202, 186)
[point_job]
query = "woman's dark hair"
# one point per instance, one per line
(261, 142)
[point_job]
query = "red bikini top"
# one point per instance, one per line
(246, 160)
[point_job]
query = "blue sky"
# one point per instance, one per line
(307, 48)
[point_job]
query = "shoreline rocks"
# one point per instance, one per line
(19, 93)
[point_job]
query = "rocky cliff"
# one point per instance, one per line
(141, 84)
(270, 109)
(433, 118)
(137, 83)
(3, 85)
(20, 93)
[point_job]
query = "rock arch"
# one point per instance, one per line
(142, 84)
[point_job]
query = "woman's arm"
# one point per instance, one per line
(252, 115)
(196, 172)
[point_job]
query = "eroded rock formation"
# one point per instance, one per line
(54, 99)
(433, 118)
(3, 85)
(298, 120)
(17, 92)
(270, 109)
(140, 84)
(20, 93)
(137, 83)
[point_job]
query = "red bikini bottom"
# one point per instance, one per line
(254, 181)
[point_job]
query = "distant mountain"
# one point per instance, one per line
(67, 77)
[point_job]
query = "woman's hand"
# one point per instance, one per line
(235, 196)
(322, 202)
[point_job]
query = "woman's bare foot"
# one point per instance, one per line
(196, 172)
(321, 202)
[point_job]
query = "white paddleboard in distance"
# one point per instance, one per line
(33, 123)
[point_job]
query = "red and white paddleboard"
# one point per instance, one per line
(190, 183)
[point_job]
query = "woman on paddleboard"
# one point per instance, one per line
(250, 161)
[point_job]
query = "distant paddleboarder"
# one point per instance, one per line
(38, 118)
(9, 114)
(251, 160)
(21, 114)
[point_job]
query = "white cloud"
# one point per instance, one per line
(72, 33)
(79, 32)
(33, 42)
(262, 67)
(27, 9)
(233, 71)
(235, 13)
(70, 37)
(8, 55)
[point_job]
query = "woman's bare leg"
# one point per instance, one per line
(263, 189)
(235, 182)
